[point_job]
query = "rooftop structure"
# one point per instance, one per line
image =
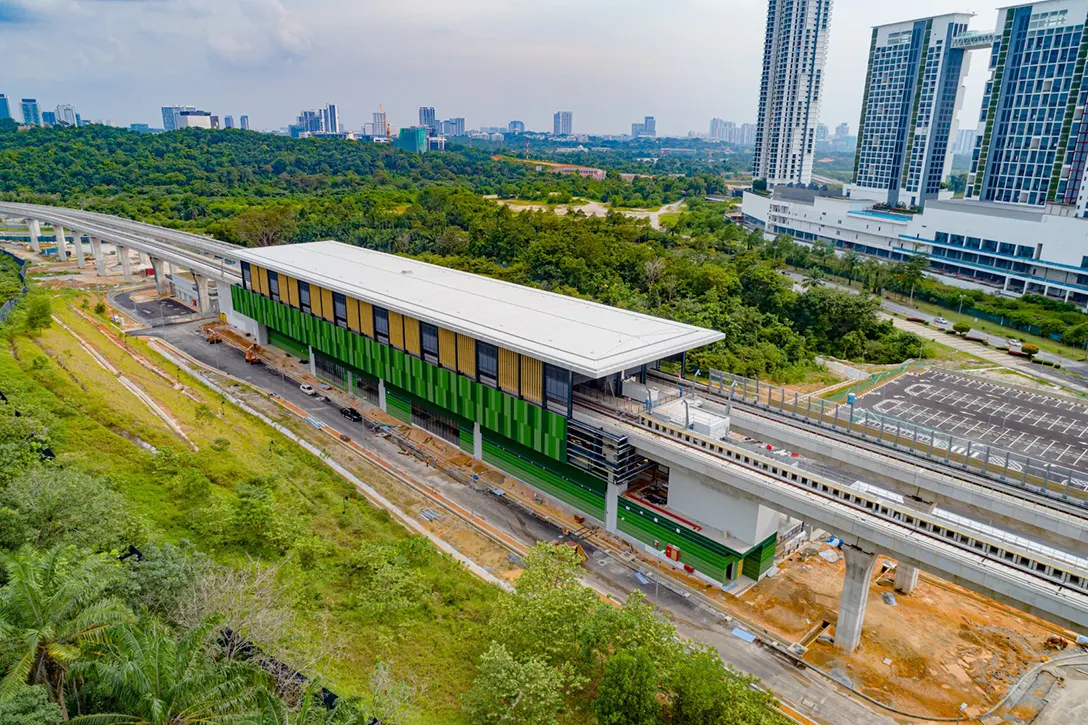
(588, 338)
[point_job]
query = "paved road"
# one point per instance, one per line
(153, 312)
(807, 691)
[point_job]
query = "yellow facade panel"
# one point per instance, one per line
(466, 355)
(532, 379)
(353, 314)
(292, 292)
(327, 310)
(366, 319)
(315, 300)
(447, 349)
(396, 330)
(508, 371)
(411, 335)
(262, 277)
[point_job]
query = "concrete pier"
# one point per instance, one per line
(162, 285)
(99, 258)
(126, 263)
(35, 229)
(855, 597)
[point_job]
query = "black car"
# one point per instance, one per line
(351, 414)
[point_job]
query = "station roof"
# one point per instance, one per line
(589, 338)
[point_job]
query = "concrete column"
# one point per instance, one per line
(477, 442)
(126, 262)
(313, 362)
(99, 258)
(855, 597)
(162, 285)
(612, 506)
(81, 262)
(261, 336)
(906, 578)
(203, 292)
(1067, 293)
(35, 229)
(381, 394)
(62, 243)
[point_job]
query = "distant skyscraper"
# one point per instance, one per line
(66, 115)
(171, 116)
(194, 119)
(747, 134)
(1033, 133)
(516, 127)
(822, 132)
(243, 123)
(32, 114)
(214, 121)
(330, 119)
(794, 53)
(426, 118)
(5, 109)
(648, 127)
(228, 122)
(49, 118)
(965, 141)
(717, 129)
(79, 121)
(453, 127)
(842, 130)
(381, 126)
(563, 123)
(914, 87)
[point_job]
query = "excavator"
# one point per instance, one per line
(253, 354)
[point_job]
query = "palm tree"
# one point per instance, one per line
(814, 278)
(157, 680)
(311, 711)
(51, 610)
(850, 262)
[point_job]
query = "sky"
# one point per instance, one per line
(610, 62)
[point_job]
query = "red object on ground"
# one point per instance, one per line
(689, 568)
(770, 447)
(672, 552)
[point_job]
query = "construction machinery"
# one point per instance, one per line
(253, 354)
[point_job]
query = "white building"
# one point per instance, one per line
(194, 119)
(563, 123)
(794, 54)
(995, 247)
(913, 92)
(171, 115)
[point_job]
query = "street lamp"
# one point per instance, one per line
(961, 304)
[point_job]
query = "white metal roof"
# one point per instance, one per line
(589, 338)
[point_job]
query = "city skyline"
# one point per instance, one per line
(268, 60)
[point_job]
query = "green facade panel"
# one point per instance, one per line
(707, 556)
(398, 406)
(527, 424)
(288, 345)
(555, 479)
(467, 439)
(760, 559)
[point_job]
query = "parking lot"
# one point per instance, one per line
(1052, 430)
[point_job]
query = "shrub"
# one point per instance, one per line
(961, 328)
(100, 308)
(1030, 350)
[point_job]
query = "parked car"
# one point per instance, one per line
(1013, 342)
(351, 414)
(308, 389)
(941, 321)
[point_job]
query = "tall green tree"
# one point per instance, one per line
(53, 608)
(627, 694)
(513, 692)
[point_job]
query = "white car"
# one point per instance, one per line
(1013, 342)
(941, 321)
(308, 389)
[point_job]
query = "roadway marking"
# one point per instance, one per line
(976, 425)
(1071, 424)
(1059, 420)
(1079, 457)
(1047, 449)
(1065, 451)
(1017, 439)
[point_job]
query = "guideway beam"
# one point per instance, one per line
(855, 597)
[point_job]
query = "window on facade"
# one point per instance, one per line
(340, 309)
(556, 388)
(381, 324)
(429, 342)
(274, 285)
(304, 296)
(1084, 262)
(247, 280)
(487, 363)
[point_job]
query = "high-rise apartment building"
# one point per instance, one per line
(49, 118)
(32, 113)
(66, 115)
(823, 133)
(243, 123)
(228, 122)
(1033, 142)
(794, 54)
(965, 141)
(427, 119)
(381, 126)
(563, 123)
(453, 127)
(330, 119)
(648, 127)
(194, 119)
(516, 127)
(5, 109)
(842, 130)
(913, 90)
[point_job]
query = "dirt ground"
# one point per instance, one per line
(934, 649)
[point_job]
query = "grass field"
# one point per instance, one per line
(98, 426)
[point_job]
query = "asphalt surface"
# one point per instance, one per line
(806, 690)
(155, 312)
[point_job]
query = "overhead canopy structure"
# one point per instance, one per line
(588, 338)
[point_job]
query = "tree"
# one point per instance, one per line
(850, 264)
(29, 705)
(627, 694)
(514, 693)
(52, 608)
(1030, 350)
(157, 680)
(961, 328)
(703, 691)
(266, 227)
(814, 278)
